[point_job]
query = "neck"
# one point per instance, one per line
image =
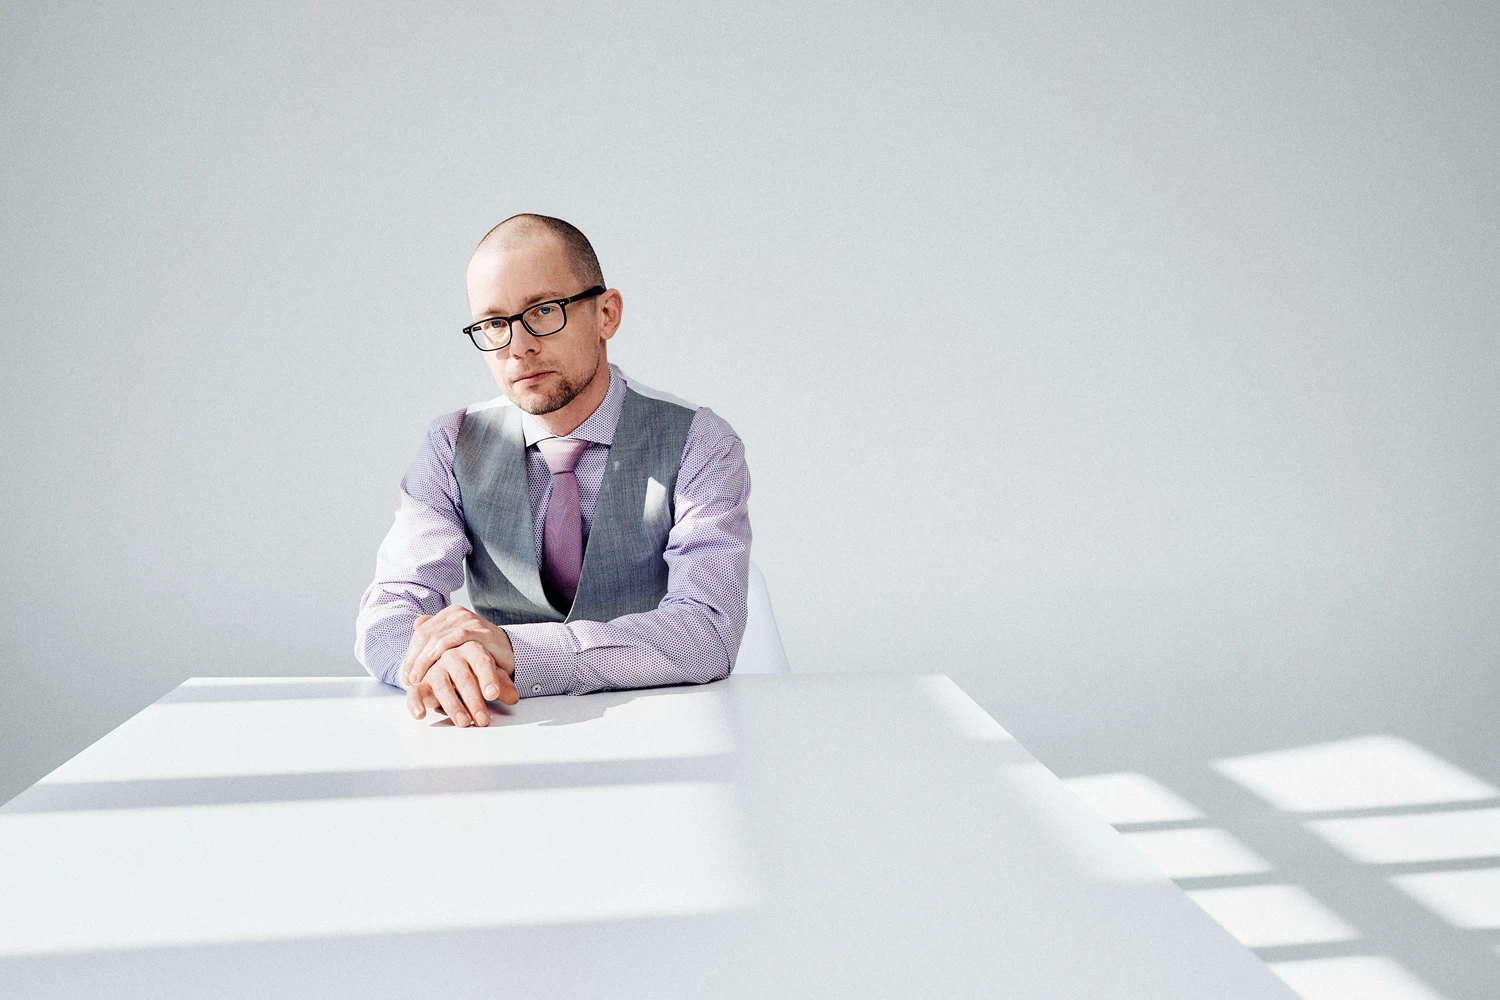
(566, 420)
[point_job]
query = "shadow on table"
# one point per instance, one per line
(1355, 861)
(567, 960)
(226, 789)
(565, 711)
(278, 689)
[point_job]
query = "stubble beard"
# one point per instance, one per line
(562, 395)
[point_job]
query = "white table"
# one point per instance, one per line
(813, 835)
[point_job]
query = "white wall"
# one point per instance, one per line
(1139, 370)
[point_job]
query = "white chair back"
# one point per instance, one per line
(761, 651)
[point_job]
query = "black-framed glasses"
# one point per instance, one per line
(540, 320)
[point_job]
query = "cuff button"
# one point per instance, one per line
(536, 689)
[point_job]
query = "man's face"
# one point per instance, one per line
(541, 374)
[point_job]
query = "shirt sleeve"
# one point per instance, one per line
(694, 635)
(421, 561)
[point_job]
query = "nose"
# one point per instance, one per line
(522, 341)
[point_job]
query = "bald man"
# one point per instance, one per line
(602, 526)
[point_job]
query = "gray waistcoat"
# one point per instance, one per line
(623, 569)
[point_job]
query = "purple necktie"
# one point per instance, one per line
(562, 537)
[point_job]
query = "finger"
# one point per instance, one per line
(437, 644)
(509, 694)
(448, 698)
(485, 670)
(421, 656)
(493, 678)
(411, 651)
(496, 642)
(467, 686)
(421, 700)
(417, 639)
(423, 629)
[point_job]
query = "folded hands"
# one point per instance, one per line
(456, 662)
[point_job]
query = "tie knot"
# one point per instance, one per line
(561, 454)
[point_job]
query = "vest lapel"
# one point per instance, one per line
(608, 536)
(504, 515)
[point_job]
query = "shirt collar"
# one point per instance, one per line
(599, 428)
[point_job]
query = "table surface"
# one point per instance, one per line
(767, 835)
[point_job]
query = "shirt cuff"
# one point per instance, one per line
(545, 653)
(380, 659)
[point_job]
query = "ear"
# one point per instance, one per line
(611, 309)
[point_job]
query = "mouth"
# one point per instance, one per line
(529, 379)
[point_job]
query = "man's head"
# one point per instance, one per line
(529, 259)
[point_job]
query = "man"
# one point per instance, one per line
(603, 526)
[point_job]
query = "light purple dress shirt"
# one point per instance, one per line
(692, 636)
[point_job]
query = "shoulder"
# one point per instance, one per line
(444, 428)
(658, 395)
(442, 433)
(488, 404)
(711, 431)
(713, 457)
(707, 431)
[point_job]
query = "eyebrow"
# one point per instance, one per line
(548, 297)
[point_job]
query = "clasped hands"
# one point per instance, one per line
(457, 661)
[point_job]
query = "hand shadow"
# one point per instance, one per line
(568, 711)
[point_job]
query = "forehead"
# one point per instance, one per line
(507, 279)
